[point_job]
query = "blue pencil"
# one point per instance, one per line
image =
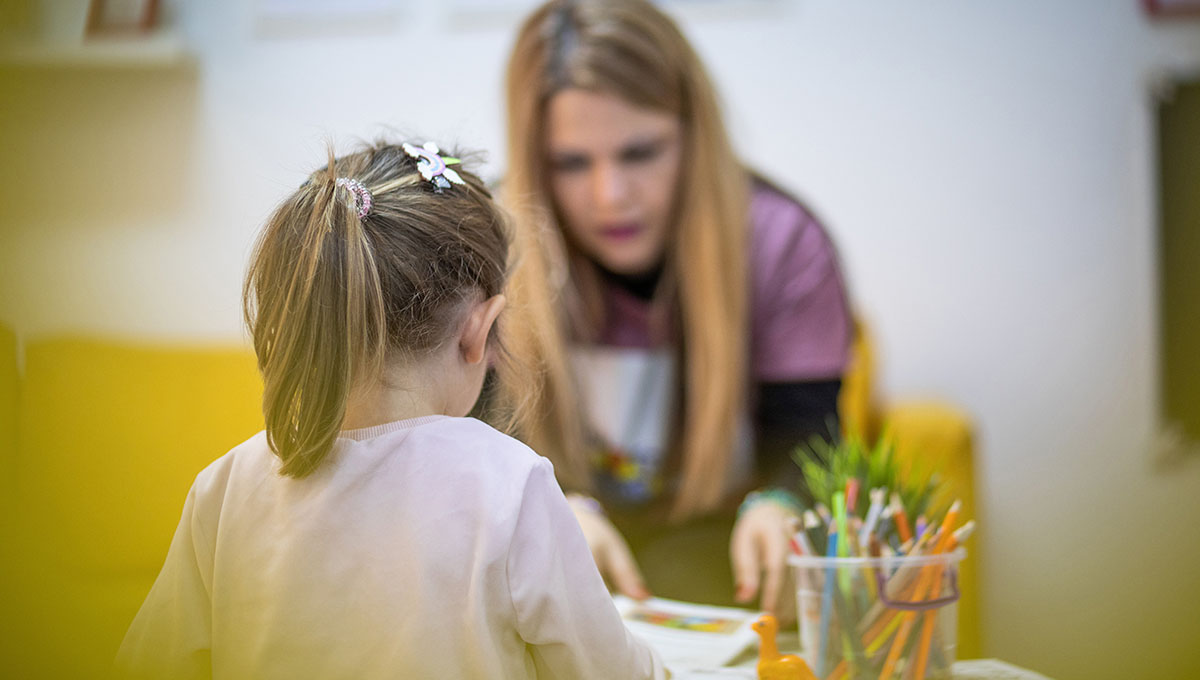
(823, 652)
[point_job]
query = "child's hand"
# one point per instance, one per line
(609, 549)
(758, 549)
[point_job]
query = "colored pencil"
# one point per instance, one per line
(900, 518)
(827, 602)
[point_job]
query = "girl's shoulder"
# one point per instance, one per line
(470, 451)
(251, 458)
(472, 441)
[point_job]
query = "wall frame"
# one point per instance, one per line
(1172, 8)
(121, 17)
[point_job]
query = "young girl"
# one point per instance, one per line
(374, 531)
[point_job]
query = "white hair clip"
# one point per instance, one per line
(432, 165)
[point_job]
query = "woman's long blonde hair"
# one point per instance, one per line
(630, 49)
(330, 296)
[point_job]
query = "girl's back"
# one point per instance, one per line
(432, 547)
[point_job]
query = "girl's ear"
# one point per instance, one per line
(473, 341)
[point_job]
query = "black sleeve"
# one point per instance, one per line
(790, 414)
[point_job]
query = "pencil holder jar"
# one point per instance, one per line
(881, 618)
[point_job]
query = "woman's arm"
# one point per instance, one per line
(801, 331)
(789, 415)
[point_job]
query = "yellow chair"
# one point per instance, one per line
(8, 420)
(937, 432)
(9, 552)
(111, 435)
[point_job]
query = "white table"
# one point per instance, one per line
(973, 669)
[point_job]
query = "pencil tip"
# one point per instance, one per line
(965, 530)
(810, 519)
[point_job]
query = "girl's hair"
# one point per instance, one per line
(330, 297)
(630, 49)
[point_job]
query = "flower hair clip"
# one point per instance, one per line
(432, 165)
(362, 197)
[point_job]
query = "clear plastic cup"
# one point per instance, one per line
(878, 617)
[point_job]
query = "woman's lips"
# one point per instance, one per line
(620, 231)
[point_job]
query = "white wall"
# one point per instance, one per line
(986, 168)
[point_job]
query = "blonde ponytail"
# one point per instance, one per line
(317, 320)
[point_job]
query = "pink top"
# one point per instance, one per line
(800, 321)
(800, 331)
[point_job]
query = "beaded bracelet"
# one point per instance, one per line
(779, 497)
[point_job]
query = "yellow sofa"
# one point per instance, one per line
(102, 438)
(111, 435)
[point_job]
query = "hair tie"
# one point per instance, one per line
(362, 197)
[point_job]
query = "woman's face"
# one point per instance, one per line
(613, 169)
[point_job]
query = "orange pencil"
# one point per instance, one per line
(947, 528)
(900, 582)
(900, 518)
(924, 584)
(924, 644)
(930, 616)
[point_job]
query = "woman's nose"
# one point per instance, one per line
(610, 185)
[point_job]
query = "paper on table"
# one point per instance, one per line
(714, 673)
(689, 636)
(992, 669)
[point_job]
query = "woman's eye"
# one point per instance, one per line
(641, 153)
(568, 163)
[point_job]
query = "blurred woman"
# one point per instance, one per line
(696, 327)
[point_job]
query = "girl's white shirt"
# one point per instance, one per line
(434, 547)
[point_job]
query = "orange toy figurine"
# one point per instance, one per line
(771, 664)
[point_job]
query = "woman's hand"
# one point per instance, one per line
(609, 549)
(758, 549)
